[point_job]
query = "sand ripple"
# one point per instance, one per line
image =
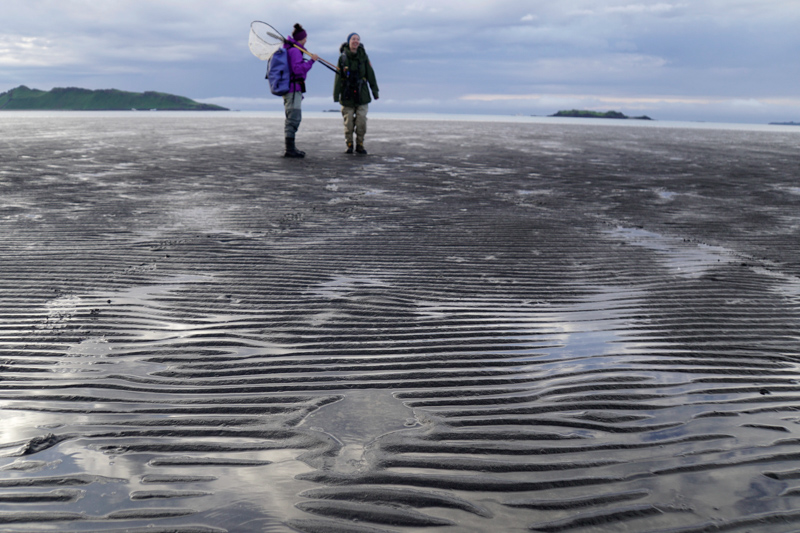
(223, 342)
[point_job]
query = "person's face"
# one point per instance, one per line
(303, 42)
(355, 40)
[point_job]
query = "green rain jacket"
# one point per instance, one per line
(355, 78)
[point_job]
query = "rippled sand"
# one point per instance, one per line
(478, 327)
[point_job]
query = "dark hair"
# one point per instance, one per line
(299, 33)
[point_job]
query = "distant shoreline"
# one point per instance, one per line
(582, 113)
(23, 98)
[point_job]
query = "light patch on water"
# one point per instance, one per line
(687, 259)
(553, 340)
(344, 286)
(21, 424)
(319, 319)
(540, 192)
(97, 357)
(498, 171)
(593, 339)
(788, 285)
(96, 354)
(89, 176)
(90, 348)
(589, 328)
(197, 217)
(84, 357)
(148, 298)
(61, 310)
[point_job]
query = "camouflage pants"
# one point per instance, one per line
(355, 120)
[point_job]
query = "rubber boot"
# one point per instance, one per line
(291, 149)
(360, 149)
(349, 147)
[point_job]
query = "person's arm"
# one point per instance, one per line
(373, 82)
(337, 87)
(299, 67)
(337, 82)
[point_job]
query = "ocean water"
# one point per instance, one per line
(427, 117)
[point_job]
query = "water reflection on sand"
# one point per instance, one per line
(514, 325)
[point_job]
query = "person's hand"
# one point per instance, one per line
(315, 57)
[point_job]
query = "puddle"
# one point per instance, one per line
(357, 420)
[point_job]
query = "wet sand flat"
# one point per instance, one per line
(481, 326)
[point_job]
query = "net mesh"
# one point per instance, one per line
(264, 40)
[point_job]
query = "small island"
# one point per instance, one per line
(578, 113)
(784, 123)
(74, 99)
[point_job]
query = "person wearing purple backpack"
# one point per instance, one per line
(292, 100)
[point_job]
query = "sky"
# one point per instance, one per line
(696, 60)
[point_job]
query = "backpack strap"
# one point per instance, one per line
(295, 79)
(353, 84)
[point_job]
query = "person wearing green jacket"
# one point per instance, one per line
(351, 87)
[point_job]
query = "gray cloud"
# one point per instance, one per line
(729, 60)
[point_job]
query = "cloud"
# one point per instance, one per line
(644, 8)
(589, 97)
(19, 50)
(651, 99)
(428, 54)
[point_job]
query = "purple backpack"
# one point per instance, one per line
(279, 73)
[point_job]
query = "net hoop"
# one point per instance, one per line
(264, 40)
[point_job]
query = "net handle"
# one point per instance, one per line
(331, 66)
(277, 35)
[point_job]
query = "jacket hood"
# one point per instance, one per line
(346, 48)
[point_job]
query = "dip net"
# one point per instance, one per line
(264, 39)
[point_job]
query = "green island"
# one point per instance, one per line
(579, 113)
(76, 99)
